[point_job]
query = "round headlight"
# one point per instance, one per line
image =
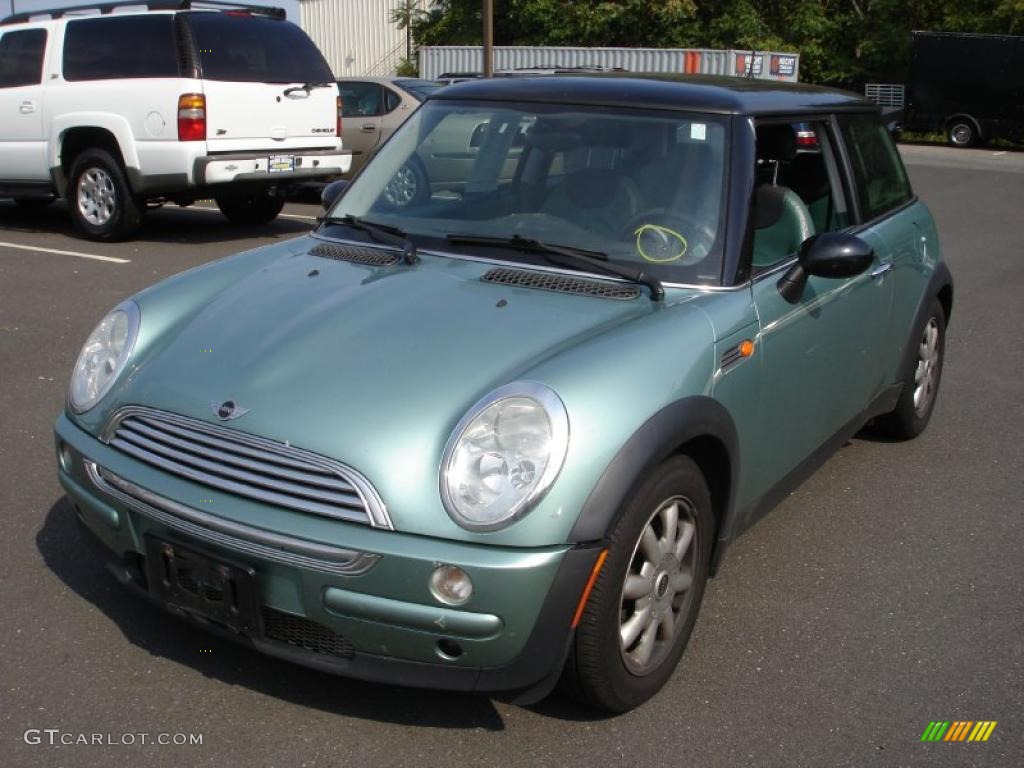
(504, 455)
(104, 356)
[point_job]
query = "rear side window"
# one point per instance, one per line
(359, 99)
(879, 177)
(256, 49)
(21, 57)
(115, 48)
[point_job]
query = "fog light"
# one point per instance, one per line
(451, 585)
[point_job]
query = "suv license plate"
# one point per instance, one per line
(220, 592)
(280, 163)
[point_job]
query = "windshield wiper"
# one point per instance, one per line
(307, 87)
(567, 256)
(382, 233)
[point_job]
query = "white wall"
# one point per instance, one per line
(357, 37)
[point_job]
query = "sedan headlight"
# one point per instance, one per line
(104, 356)
(504, 455)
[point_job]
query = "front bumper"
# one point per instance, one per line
(368, 587)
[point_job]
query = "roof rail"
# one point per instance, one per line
(152, 5)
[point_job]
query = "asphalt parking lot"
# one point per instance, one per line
(887, 592)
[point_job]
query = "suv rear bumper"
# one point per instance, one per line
(254, 167)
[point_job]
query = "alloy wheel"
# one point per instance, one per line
(926, 373)
(401, 190)
(656, 591)
(97, 197)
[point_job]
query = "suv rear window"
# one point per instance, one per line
(256, 49)
(113, 48)
(21, 57)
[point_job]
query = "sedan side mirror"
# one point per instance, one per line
(332, 192)
(830, 254)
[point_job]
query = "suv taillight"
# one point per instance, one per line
(191, 117)
(338, 131)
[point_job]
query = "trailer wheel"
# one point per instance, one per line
(962, 132)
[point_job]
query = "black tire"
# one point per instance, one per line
(599, 671)
(33, 203)
(962, 132)
(409, 185)
(909, 419)
(101, 202)
(250, 210)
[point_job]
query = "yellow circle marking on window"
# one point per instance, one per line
(667, 234)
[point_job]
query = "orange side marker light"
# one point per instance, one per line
(590, 585)
(746, 348)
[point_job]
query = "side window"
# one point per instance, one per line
(360, 99)
(21, 57)
(879, 177)
(391, 101)
(799, 190)
(115, 48)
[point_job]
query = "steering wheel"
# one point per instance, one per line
(663, 236)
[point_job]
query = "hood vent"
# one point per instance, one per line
(375, 257)
(549, 281)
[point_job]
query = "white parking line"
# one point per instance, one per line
(92, 256)
(280, 215)
(997, 154)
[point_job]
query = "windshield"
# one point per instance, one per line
(255, 49)
(643, 187)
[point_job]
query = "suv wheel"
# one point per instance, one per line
(101, 202)
(921, 379)
(250, 209)
(962, 133)
(645, 601)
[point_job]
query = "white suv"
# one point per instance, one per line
(129, 104)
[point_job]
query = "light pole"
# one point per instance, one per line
(488, 38)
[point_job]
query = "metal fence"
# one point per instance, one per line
(765, 65)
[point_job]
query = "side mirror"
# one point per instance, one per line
(830, 254)
(332, 192)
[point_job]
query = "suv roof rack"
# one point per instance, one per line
(152, 5)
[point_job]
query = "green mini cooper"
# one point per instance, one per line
(494, 422)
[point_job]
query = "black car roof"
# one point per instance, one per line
(702, 93)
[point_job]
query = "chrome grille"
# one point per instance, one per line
(244, 465)
(549, 281)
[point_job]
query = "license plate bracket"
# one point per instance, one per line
(280, 163)
(206, 587)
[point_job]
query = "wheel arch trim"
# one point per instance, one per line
(698, 426)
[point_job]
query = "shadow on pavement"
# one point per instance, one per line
(67, 553)
(169, 224)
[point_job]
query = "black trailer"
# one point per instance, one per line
(969, 87)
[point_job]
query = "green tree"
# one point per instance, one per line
(404, 16)
(840, 42)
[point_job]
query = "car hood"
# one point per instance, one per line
(372, 366)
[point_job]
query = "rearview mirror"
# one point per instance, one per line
(332, 192)
(830, 254)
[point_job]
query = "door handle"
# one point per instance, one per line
(27, 107)
(881, 269)
(369, 128)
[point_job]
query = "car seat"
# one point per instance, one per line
(781, 220)
(807, 176)
(598, 199)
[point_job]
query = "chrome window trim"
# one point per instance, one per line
(257, 542)
(376, 511)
